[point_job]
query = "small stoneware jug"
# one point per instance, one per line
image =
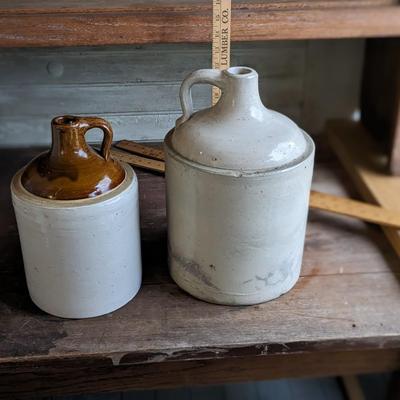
(71, 169)
(238, 180)
(77, 212)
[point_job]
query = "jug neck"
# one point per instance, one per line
(68, 139)
(240, 94)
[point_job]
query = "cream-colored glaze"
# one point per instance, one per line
(82, 257)
(238, 182)
(238, 133)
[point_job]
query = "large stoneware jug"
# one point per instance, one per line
(78, 220)
(238, 182)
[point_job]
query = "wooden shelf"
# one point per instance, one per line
(343, 316)
(98, 22)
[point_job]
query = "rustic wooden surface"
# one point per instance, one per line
(343, 316)
(70, 23)
(366, 162)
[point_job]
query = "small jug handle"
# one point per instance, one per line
(212, 76)
(95, 122)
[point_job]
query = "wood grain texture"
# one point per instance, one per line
(342, 316)
(128, 22)
(131, 87)
(78, 6)
(366, 162)
(125, 97)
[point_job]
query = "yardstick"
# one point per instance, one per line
(140, 149)
(138, 161)
(221, 39)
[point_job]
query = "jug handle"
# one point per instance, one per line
(95, 122)
(214, 77)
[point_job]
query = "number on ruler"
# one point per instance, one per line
(221, 39)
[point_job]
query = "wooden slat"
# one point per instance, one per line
(366, 163)
(140, 149)
(130, 65)
(138, 161)
(128, 22)
(123, 98)
(355, 209)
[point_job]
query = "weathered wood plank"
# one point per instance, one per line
(78, 6)
(142, 64)
(86, 378)
(35, 85)
(124, 98)
(131, 87)
(19, 131)
(178, 21)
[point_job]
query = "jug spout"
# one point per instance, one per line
(67, 139)
(238, 133)
(240, 94)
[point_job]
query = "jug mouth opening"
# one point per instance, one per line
(240, 72)
(66, 120)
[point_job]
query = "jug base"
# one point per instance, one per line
(230, 299)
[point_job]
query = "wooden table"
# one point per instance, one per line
(343, 316)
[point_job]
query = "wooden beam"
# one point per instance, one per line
(84, 377)
(380, 100)
(366, 163)
(71, 23)
(352, 387)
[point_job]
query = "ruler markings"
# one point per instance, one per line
(221, 39)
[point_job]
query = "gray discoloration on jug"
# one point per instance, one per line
(195, 270)
(274, 278)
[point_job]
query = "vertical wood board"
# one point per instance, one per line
(366, 163)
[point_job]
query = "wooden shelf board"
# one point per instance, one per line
(73, 23)
(343, 316)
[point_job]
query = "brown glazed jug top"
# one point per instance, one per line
(72, 169)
